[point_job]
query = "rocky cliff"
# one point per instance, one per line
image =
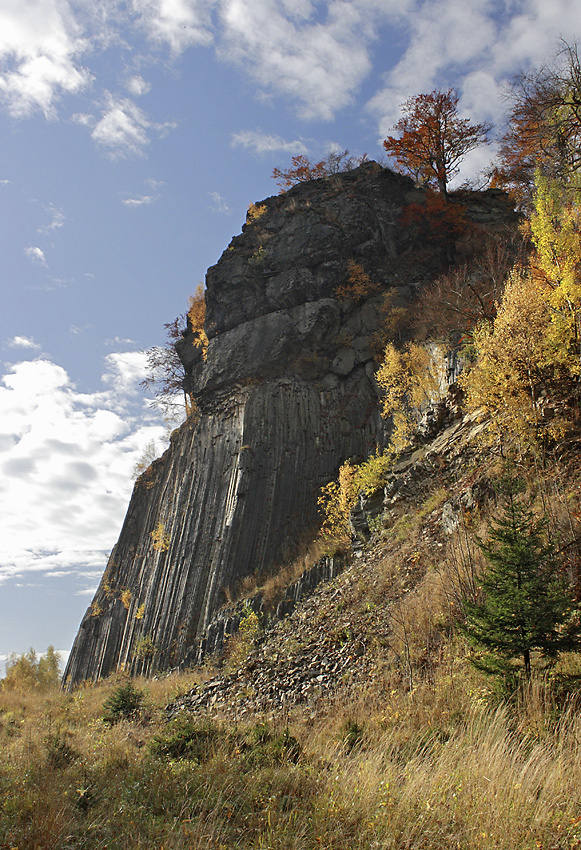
(285, 395)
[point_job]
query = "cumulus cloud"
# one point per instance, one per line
(66, 459)
(317, 54)
(177, 23)
(41, 42)
(36, 255)
(286, 49)
(123, 129)
(475, 47)
(23, 342)
(137, 86)
(260, 142)
(123, 372)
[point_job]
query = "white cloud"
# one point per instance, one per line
(75, 330)
(178, 23)
(124, 370)
(66, 459)
(139, 201)
(444, 37)
(123, 129)
(137, 86)
(23, 342)
(41, 42)
(261, 142)
(219, 204)
(36, 254)
(118, 340)
(57, 219)
(476, 47)
(320, 65)
(145, 198)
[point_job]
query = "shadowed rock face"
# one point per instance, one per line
(285, 396)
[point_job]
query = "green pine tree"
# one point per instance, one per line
(526, 605)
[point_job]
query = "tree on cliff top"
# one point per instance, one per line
(302, 169)
(434, 139)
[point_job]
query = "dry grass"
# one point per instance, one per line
(419, 755)
(431, 767)
(272, 587)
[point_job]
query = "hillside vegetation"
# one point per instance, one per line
(409, 747)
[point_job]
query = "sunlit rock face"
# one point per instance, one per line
(285, 396)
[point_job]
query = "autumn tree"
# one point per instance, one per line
(359, 285)
(452, 306)
(196, 320)
(532, 348)
(165, 369)
(28, 671)
(410, 378)
(543, 131)
(556, 263)
(302, 169)
(433, 138)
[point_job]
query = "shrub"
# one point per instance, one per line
(242, 642)
(352, 734)
(187, 738)
(125, 703)
(338, 497)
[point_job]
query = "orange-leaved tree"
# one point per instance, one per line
(302, 169)
(434, 138)
(543, 131)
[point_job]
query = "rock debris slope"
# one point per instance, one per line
(285, 395)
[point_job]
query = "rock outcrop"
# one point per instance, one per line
(285, 395)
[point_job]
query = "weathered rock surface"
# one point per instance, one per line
(285, 396)
(228, 619)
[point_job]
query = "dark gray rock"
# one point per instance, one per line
(284, 399)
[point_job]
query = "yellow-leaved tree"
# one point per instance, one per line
(533, 345)
(196, 319)
(555, 231)
(410, 378)
(511, 358)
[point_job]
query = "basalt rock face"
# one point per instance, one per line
(285, 395)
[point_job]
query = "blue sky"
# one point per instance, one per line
(134, 135)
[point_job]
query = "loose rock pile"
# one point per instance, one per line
(299, 661)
